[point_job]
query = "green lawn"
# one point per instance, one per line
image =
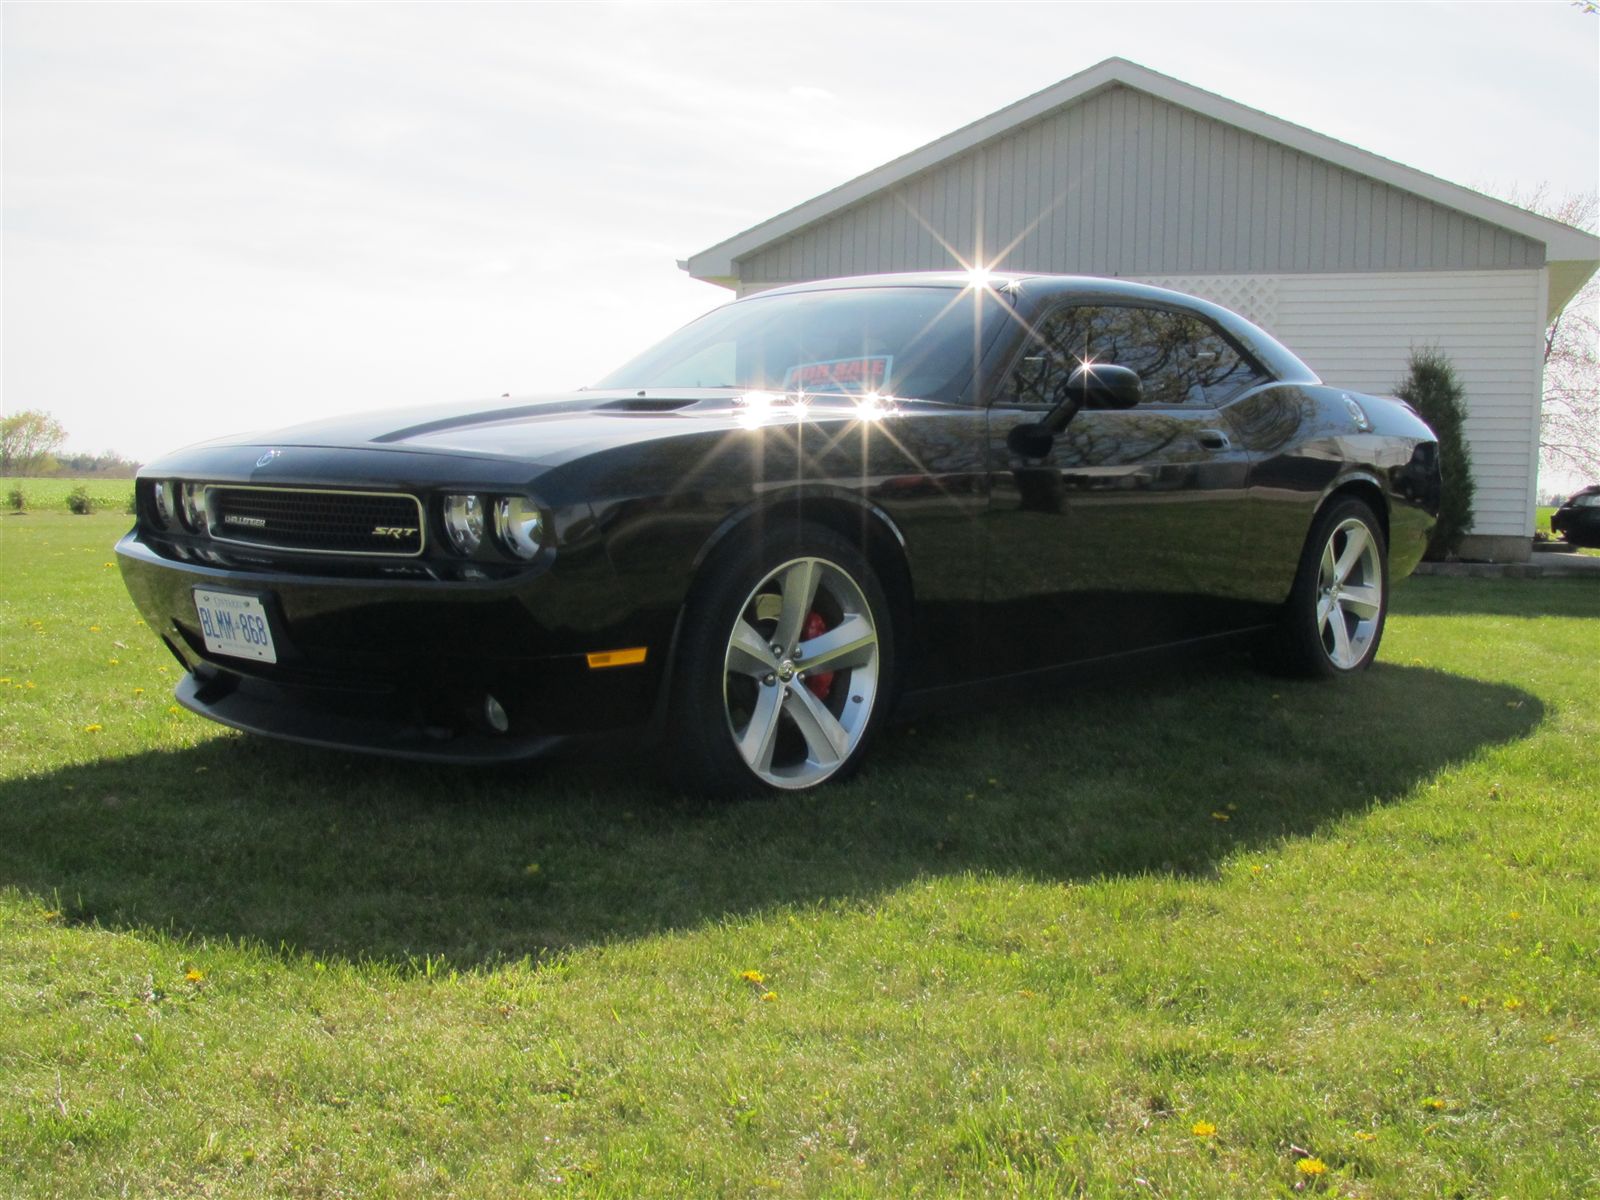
(1195, 934)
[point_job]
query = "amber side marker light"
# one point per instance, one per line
(631, 657)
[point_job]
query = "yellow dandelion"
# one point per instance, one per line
(93, 728)
(1363, 1135)
(2, 681)
(1466, 1001)
(194, 975)
(174, 709)
(531, 870)
(1433, 1104)
(29, 684)
(1550, 1039)
(56, 912)
(94, 629)
(752, 976)
(1512, 1004)
(108, 564)
(1203, 1129)
(138, 691)
(769, 995)
(1219, 816)
(1256, 870)
(1514, 915)
(114, 662)
(1311, 1167)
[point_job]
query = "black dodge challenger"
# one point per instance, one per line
(756, 538)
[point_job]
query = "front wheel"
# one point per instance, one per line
(785, 667)
(1334, 617)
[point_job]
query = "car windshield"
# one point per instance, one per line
(909, 342)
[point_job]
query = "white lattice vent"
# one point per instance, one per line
(1254, 297)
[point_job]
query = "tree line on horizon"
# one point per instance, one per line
(29, 444)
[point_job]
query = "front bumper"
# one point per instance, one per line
(405, 668)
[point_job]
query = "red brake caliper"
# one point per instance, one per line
(820, 682)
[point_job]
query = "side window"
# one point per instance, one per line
(1180, 358)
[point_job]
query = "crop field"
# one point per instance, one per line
(1199, 933)
(49, 494)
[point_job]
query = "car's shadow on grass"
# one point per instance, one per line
(336, 855)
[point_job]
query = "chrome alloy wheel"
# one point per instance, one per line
(1349, 594)
(801, 673)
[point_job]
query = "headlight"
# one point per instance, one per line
(519, 525)
(192, 503)
(162, 490)
(463, 521)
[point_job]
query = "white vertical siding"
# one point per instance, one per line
(1357, 330)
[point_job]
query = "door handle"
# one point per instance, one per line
(1214, 439)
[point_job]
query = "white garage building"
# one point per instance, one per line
(1349, 258)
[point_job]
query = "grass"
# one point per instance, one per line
(49, 493)
(1031, 951)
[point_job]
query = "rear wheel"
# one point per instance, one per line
(1334, 618)
(785, 667)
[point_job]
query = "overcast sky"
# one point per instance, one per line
(220, 217)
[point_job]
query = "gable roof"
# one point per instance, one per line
(1572, 253)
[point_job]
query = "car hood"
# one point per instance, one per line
(550, 430)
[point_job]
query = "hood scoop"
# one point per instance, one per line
(642, 404)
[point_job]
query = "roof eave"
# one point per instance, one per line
(1562, 243)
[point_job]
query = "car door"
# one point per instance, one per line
(1122, 530)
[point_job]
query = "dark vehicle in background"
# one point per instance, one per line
(755, 539)
(1578, 520)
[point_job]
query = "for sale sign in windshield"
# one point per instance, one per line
(840, 375)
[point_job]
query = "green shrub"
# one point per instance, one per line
(1431, 387)
(79, 501)
(17, 499)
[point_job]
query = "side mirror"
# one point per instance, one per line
(1096, 385)
(1105, 385)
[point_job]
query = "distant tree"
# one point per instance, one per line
(28, 439)
(1431, 387)
(1569, 423)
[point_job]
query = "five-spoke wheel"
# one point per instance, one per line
(801, 673)
(785, 665)
(1334, 618)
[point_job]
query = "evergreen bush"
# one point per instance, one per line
(17, 499)
(79, 501)
(1431, 387)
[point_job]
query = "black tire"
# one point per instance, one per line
(1330, 625)
(739, 723)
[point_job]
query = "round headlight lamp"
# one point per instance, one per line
(463, 521)
(519, 525)
(162, 491)
(192, 505)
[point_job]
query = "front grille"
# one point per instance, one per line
(316, 522)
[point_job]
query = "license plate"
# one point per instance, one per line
(235, 624)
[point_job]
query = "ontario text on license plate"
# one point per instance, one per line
(236, 624)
